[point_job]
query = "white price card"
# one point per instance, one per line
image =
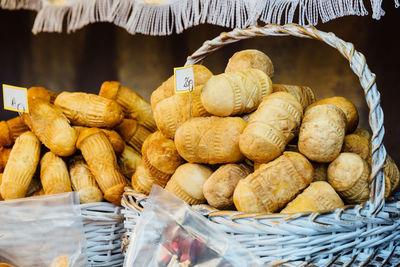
(15, 98)
(184, 79)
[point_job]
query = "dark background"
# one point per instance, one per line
(81, 61)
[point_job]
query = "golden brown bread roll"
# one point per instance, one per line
(89, 109)
(161, 157)
(271, 127)
(38, 92)
(83, 181)
(235, 93)
(210, 140)
(167, 88)
(320, 171)
(322, 133)
(51, 127)
(303, 94)
(187, 182)
(272, 186)
(358, 144)
(348, 174)
(172, 112)
(100, 157)
(128, 161)
(363, 133)
(54, 174)
(318, 196)
(134, 106)
(346, 106)
(11, 129)
(250, 59)
(21, 166)
(133, 133)
(142, 180)
(116, 140)
(4, 156)
(219, 187)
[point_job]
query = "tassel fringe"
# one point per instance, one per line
(170, 16)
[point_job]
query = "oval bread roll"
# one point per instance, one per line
(51, 127)
(134, 106)
(4, 156)
(272, 186)
(128, 161)
(142, 180)
(358, 144)
(89, 109)
(250, 59)
(219, 187)
(21, 166)
(346, 106)
(235, 93)
(318, 196)
(348, 174)
(133, 133)
(303, 94)
(271, 127)
(11, 129)
(210, 140)
(38, 92)
(54, 174)
(322, 133)
(167, 88)
(187, 182)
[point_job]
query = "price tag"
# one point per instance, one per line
(184, 79)
(15, 98)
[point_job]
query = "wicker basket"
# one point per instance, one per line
(361, 234)
(103, 228)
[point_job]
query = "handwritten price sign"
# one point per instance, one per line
(184, 79)
(15, 98)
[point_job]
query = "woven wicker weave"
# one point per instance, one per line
(103, 228)
(355, 235)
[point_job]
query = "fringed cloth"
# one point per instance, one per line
(164, 17)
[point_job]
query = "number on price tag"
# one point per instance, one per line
(15, 98)
(184, 79)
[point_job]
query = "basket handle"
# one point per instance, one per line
(357, 64)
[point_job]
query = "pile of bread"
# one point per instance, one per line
(256, 146)
(247, 143)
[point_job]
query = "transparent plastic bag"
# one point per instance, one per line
(170, 233)
(41, 231)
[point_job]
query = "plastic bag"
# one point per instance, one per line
(170, 233)
(41, 231)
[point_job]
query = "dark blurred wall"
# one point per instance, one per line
(83, 60)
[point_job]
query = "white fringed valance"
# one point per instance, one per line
(164, 17)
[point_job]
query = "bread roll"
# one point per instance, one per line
(134, 106)
(133, 133)
(100, 157)
(89, 109)
(161, 158)
(210, 140)
(172, 112)
(51, 127)
(271, 127)
(21, 166)
(303, 94)
(219, 187)
(348, 174)
(116, 140)
(11, 129)
(363, 133)
(346, 106)
(128, 161)
(54, 174)
(319, 196)
(358, 144)
(83, 181)
(235, 93)
(272, 186)
(4, 156)
(38, 92)
(142, 180)
(391, 171)
(167, 88)
(187, 182)
(250, 59)
(322, 133)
